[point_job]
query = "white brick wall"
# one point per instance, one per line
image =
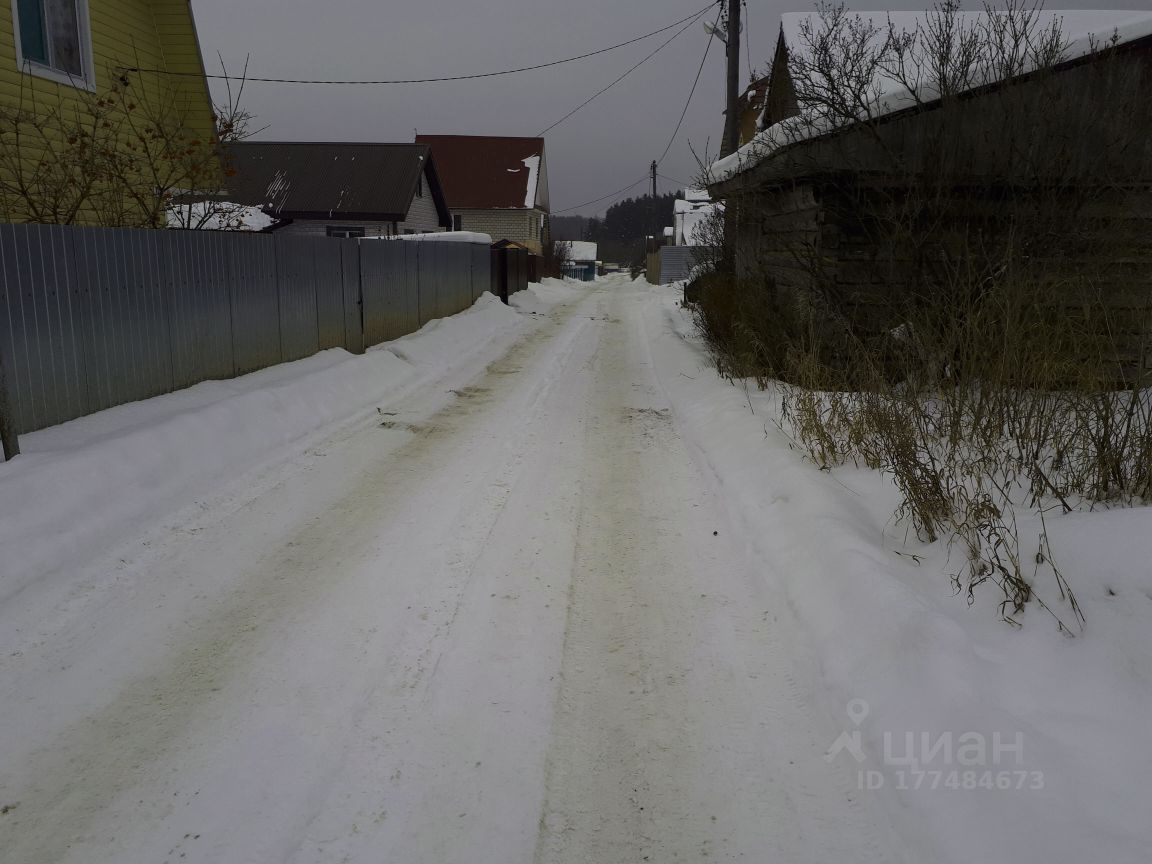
(519, 226)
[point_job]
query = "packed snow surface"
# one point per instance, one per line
(534, 584)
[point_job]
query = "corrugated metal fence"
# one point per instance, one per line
(95, 317)
(676, 262)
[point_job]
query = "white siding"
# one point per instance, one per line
(422, 215)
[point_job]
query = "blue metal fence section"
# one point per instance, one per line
(96, 317)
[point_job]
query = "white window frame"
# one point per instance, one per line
(32, 67)
(346, 232)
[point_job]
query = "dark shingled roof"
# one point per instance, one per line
(481, 172)
(332, 180)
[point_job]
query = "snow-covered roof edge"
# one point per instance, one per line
(1085, 31)
(581, 250)
(439, 237)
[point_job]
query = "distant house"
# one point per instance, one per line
(581, 261)
(495, 185)
(72, 73)
(752, 103)
(690, 214)
(340, 190)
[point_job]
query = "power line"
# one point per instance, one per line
(674, 180)
(695, 81)
(630, 70)
(691, 17)
(620, 191)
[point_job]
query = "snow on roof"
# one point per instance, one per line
(218, 216)
(1079, 26)
(440, 237)
(482, 172)
(692, 221)
(681, 205)
(533, 165)
(581, 250)
(1084, 31)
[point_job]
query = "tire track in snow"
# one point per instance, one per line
(80, 791)
(681, 733)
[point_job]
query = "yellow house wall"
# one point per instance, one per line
(125, 34)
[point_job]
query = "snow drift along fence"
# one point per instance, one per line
(96, 317)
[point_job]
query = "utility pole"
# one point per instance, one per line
(731, 141)
(655, 210)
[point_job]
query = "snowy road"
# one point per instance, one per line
(511, 620)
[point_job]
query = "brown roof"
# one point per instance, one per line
(480, 172)
(333, 180)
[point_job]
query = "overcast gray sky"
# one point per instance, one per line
(603, 147)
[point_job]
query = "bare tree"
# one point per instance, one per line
(199, 208)
(934, 257)
(553, 256)
(118, 157)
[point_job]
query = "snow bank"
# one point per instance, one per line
(82, 486)
(886, 629)
(546, 294)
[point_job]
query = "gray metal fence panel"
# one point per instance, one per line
(438, 289)
(388, 284)
(409, 300)
(445, 283)
(200, 309)
(143, 258)
(328, 265)
(676, 262)
(458, 275)
(481, 271)
(47, 381)
(19, 352)
(299, 334)
(427, 281)
(255, 301)
(96, 317)
(353, 302)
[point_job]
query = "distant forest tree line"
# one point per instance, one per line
(620, 234)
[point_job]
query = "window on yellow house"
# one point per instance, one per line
(53, 39)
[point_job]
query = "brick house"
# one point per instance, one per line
(495, 185)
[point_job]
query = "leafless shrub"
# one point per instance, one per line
(961, 316)
(117, 157)
(552, 257)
